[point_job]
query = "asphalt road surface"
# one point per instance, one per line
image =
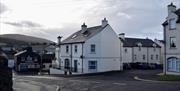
(116, 81)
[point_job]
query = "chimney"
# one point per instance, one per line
(83, 28)
(171, 8)
(59, 40)
(104, 22)
(122, 36)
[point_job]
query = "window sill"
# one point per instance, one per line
(172, 29)
(173, 71)
(173, 48)
(92, 53)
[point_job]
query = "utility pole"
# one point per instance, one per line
(59, 49)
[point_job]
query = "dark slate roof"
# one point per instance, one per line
(47, 58)
(79, 37)
(27, 51)
(132, 42)
(162, 41)
(177, 12)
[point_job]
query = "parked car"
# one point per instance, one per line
(126, 66)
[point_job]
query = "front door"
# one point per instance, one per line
(75, 65)
(67, 64)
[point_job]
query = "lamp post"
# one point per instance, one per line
(59, 49)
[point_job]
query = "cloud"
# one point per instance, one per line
(50, 18)
(124, 15)
(28, 24)
(3, 8)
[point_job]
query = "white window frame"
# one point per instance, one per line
(173, 41)
(157, 57)
(152, 57)
(67, 49)
(94, 65)
(173, 65)
(93, 50)
(144, 57)
(172, 24)
(75, 48)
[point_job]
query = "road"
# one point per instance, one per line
(118, 81)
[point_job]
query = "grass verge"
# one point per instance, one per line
(169, 78)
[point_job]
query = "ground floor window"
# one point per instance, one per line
(92, 65)
(173, 64)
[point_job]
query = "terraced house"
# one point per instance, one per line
(90, 50)
(139, 50)
(172, 41)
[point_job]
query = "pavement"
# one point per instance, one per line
(111, 81)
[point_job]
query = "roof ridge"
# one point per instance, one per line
(137, 38)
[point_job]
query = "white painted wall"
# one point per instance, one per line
(139, 54)
(107, 51)
(127, 57)
(154, 52)
(162, 51)
(172, 52)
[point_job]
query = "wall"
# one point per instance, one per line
(172, 52)
(107, 52)
(127, 56)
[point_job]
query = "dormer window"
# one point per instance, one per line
(154, 46)
(172, 24)
(139, 45)
(74, 36)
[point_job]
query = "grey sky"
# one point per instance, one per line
(50, 18)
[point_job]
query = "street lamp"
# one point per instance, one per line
(59, 46)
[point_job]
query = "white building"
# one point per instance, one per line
(136, 50)
(161, 44)
(90, 50)
(172, 41)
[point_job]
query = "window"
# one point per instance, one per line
(151, 57)
(93, 48)
(154, 48)
(173, 64)
(144, 57)
(92, 65)
(125, 50)
(157, 57)
(172, 42)
(172, 24)
(139, 45)
(67, 49)
(139, 48)
(75, 49)
(135, 57)
(178, 66)
(22, 59)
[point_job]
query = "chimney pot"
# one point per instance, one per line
(122, 36)
(59, 39)
(83, 28)
(171, 8)
(104, 22)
